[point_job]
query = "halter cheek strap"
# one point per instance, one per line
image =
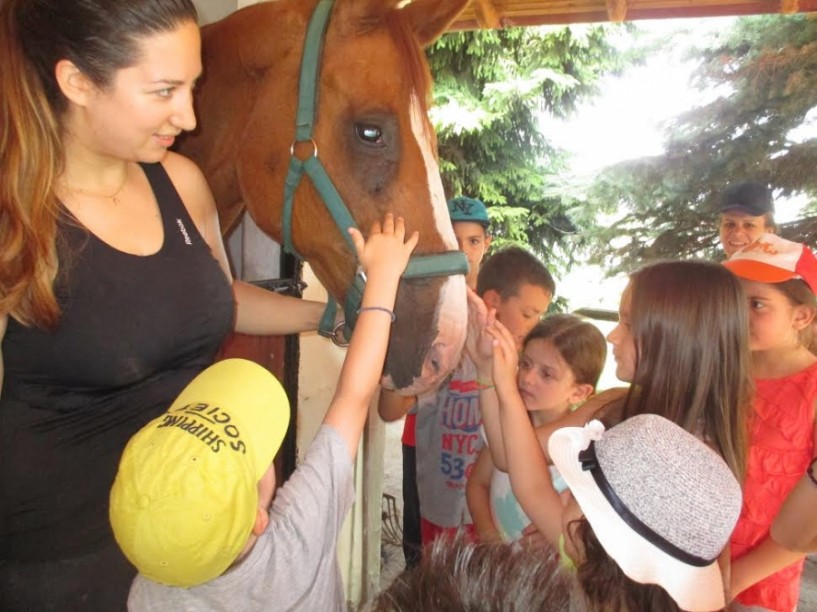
(419, 266)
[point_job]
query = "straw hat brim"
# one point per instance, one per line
(696, 589)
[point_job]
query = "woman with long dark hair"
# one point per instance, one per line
(115, 290)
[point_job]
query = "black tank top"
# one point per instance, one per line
(133, 332)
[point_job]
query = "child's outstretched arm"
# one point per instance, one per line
(478, 496)
(580, 417)
(764, 560)
(527, 468)
(769, 556)
(795, 526)
(391, 406)
(479, 347)
(383, 257)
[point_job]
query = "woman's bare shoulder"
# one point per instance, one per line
(185, 173)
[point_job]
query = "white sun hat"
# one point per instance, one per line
(661, 503)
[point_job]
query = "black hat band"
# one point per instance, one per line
(590, 463)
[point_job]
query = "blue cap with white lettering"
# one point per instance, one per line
(463, 208)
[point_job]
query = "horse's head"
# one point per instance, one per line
(371, 133)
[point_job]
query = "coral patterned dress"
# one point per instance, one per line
(781, 446)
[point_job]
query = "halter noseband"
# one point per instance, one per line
(419, 266)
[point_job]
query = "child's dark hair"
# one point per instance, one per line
(509, 269)
(457, 574)
(580, 343)
(604, 586)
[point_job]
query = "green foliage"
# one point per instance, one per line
(490, 90)
(761, 76)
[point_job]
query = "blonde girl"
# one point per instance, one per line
(561, 361)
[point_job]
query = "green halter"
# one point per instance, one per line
(419, 266)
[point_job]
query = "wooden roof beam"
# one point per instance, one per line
(789, 6)
(617, 9)
(486, 14)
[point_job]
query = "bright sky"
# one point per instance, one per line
(626, 122)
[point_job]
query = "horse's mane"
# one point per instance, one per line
(414, 61)
(413, 57)
(416, 66)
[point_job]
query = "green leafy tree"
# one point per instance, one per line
(490, 89)
(757, 123)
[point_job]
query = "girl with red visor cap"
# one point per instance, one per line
(780, 279)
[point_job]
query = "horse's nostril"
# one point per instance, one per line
(437, 359)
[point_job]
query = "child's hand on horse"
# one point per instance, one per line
(506, 357)
(387, 250)
(478, 343)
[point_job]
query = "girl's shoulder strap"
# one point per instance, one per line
(176, 219)
(163, 189)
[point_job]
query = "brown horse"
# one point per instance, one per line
(372, 134)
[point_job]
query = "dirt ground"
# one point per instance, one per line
(392, 553)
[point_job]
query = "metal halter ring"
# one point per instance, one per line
(337, 335)
(314, 148)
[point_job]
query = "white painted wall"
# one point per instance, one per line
(213, 10)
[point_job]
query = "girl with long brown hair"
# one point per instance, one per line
(682, 342)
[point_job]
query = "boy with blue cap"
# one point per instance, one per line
(441, 432)
(469, 217)
(192, 505)
(470, 220)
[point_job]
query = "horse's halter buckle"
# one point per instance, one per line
(338, 336)
(297, 142)
(419, 266)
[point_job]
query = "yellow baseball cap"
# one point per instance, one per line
(185, 498)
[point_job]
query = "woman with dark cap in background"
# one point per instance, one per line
(746, 212)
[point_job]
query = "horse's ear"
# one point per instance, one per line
(430, 18)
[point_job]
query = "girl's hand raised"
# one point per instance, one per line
(478, 343)
(506, 356)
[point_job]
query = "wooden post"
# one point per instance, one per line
(616, 10)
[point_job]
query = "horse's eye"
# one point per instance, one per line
(370, 134)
